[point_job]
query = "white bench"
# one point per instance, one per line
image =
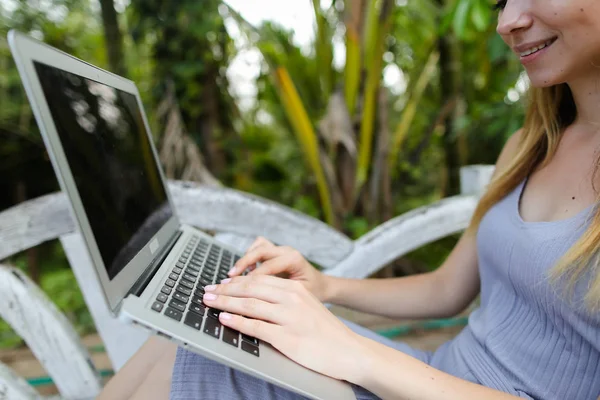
(237, 217)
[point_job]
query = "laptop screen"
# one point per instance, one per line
(106, 145)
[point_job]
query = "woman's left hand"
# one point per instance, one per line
(285, 314)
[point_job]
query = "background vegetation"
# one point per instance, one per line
(333, 141)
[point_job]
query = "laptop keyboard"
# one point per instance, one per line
(200, 264)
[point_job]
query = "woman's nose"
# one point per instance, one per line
(515, 17)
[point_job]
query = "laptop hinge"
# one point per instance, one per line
(138, 287)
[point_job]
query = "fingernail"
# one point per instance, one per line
(231, 271)
(225, 315)
(210, 288)
(209, 296)
(226, 280)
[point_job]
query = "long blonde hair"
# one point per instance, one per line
(549, 112)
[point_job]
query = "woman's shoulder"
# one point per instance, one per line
(510, 149)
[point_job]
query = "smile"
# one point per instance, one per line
(537, 48)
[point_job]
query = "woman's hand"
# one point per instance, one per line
(285, 314)
(282, 261)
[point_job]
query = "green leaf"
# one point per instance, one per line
(496, 48)
(461, 18)
(480, 16)
(300, 121)
(447, 21)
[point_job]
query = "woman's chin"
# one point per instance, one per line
(543, 80)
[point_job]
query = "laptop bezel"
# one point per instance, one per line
(25, 51)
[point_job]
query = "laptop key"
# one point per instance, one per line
(213, 312)
(173, 276)
(197, 309)
(184, 290)
(172, 313)
(192, 268)
(176, 304)
(231, 336)
(170, 283)
(212, 327)
(162, 297)
(180, 264)
(192, 271)
(209, 269)
(197, 300)
(166, 290)
(181, 297)
(177, 270)
(187, 284)
(250, 339)
(189, 277)
(205, 281)
(157, 306)
(248, 348)
(193, 320)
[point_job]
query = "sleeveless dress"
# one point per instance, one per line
(526, 339)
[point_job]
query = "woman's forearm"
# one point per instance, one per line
(417, 296)
(391, 374)
(442, 293)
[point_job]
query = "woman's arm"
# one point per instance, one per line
(285, 314)
(391, 374)
(442, 293)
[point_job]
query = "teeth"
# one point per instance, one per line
(538, 48)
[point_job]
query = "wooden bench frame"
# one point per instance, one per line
(54, 341)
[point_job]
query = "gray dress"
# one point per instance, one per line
(525, 339)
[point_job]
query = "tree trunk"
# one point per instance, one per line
(113, 37)
(380, 206)
(450, 86)
(209, 126)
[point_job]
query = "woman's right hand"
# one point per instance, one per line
(282, 261)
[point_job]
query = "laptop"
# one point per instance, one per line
(152, 269)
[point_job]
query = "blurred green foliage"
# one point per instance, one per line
(254, 149)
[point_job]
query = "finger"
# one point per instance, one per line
(262, 253)
(252, 286)
(252, 327)
(248, 307)
(248, 288)
(273, 266)
(260, 241)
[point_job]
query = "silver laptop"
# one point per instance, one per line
(152, 268)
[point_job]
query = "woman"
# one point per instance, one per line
(531, 251)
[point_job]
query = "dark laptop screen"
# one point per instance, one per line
(109, 154)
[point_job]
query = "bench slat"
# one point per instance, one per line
(33, 222)
(120, 341)
(13, 387)
(248, 215)
(404, 234)
(48, 334)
